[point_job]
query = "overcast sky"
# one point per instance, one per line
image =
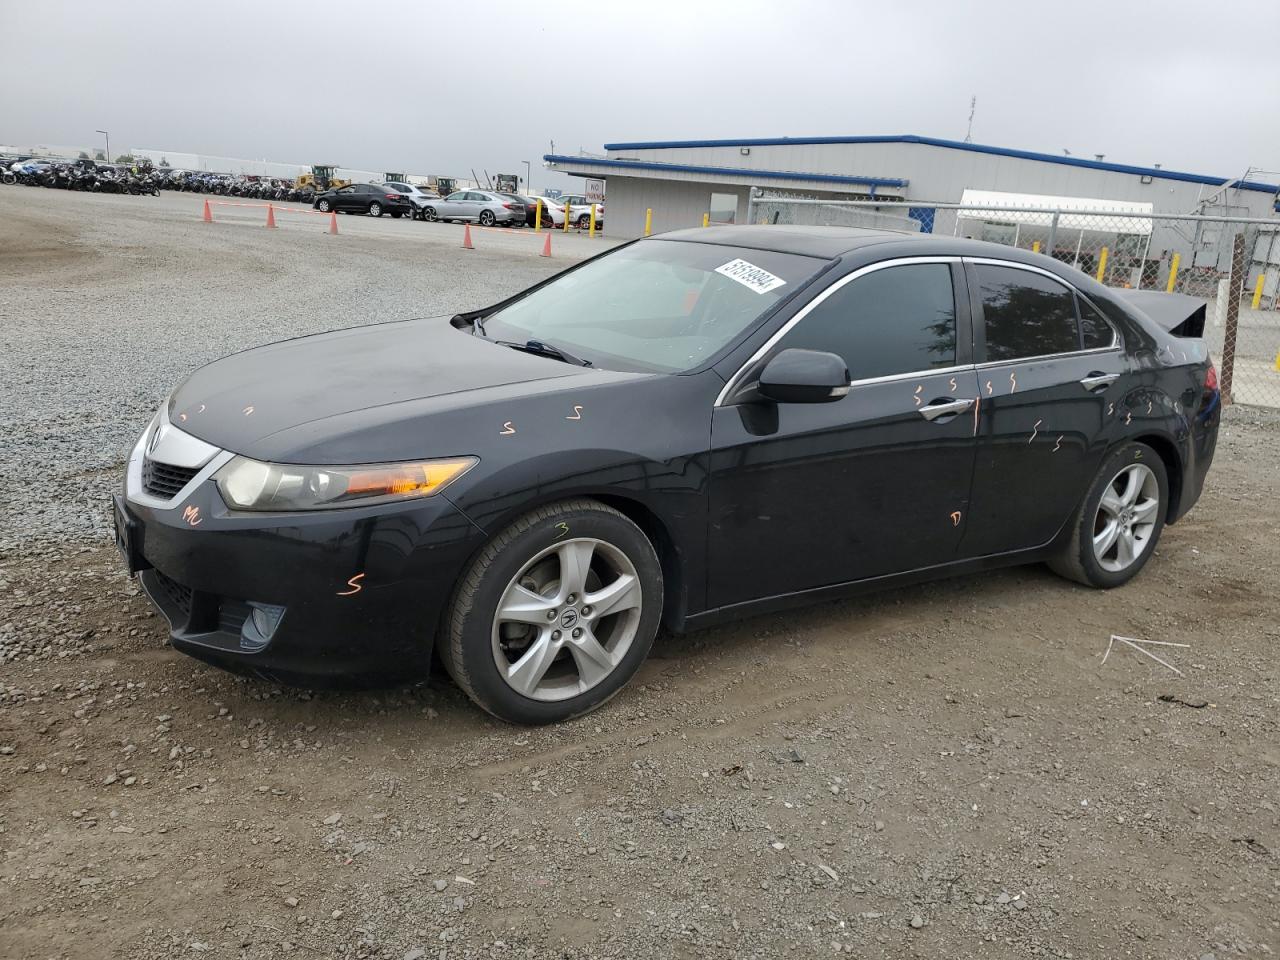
(444, 87)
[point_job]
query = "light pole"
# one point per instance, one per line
(528, 187)
(108, 136)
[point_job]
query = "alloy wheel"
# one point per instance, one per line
(567, 619)
(1126, 517)
(486, 218)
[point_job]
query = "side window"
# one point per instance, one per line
(895, 320)
(1026, 314)
(1095, 332)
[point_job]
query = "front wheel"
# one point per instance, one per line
(555, 615)
(375, 209)
(1116, 529)
(324, 206)
(429, 214)
(487, 218)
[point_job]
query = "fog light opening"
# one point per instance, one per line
(260, 626)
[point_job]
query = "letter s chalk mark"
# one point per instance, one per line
(507, 429)
(564, 530)
(955, 518)
(953, 384)
(1148, 406)
(1034, 430)
(1128, 417)
(1013, 379)
(1111, 408)
(916, 397)
(989, 389)
(192, 516)
(1057, 446)
(354, 584)
(577, 412)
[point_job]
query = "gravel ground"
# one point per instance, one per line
(947, 770)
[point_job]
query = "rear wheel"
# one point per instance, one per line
(375, 209)
(395, 214)
(556, 613)
(487, 218)
(584, 221)
(1116, 529)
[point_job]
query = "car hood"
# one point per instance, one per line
(276, 400)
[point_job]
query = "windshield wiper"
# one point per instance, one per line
(544, 349)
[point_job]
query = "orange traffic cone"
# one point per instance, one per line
(271, 216)
(333, 224)
(208, 214)
(546, 247)
(466, 238)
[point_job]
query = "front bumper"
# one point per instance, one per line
(362, 589)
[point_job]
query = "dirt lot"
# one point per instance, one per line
(942, 771)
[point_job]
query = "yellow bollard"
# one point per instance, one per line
(648, 221)
(706, 219)
(1257, 291)
(1173, 273)
(591, 230)
(567, 215)
(1102, 264)
(537, 217)
(1035, 246)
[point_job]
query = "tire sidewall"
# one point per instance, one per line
(471, 629)
(1116, 461)
(487, 218)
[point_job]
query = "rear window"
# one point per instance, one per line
(1026, 314)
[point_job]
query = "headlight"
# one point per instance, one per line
(250, 485)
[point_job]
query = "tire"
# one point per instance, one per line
(584, 222)
(527, 560)
(396, 214)
(1130, 523)
(487, 218)
(375, 209)
(429, 214)
(324, 206)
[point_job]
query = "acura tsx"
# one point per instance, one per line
(688, 428)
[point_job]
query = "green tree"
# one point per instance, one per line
(83, 155)
(125, 158)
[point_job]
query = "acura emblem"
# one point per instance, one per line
(568, 618)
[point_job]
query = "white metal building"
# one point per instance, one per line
(682, 180)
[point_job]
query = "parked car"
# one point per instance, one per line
(693, 427)
(414, 194)
(481, 206)
(531, 209)
(552, 212)
(580, 210)
(364, 198)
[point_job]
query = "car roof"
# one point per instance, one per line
(834, 242)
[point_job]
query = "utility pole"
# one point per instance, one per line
(973, 108)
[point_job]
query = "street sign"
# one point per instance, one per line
(595, 191)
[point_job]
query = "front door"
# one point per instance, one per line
(1049, 371)
(810, 495)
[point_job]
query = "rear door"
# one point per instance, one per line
(806, 495)
(1049, 366)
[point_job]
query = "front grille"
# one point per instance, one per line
(174, 592)
(164, 480)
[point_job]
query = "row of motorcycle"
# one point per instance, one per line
(145, 179)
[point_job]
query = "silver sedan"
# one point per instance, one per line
(482, 206)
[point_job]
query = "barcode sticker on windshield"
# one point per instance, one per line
(749, 275)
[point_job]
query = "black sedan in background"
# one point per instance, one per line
(367, 198)
(693, 427)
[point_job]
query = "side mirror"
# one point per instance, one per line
(804, 376)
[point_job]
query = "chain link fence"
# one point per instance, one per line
(1232, 263)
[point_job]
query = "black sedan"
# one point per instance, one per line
(364, 198)
(693, 427)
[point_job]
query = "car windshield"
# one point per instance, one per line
(655, 305)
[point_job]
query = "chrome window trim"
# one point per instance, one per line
(914, 375)
(804, 312)
(1117, 342)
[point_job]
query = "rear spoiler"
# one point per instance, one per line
(1177, 313)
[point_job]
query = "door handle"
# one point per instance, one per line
(943, 408)
(1095, 380)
